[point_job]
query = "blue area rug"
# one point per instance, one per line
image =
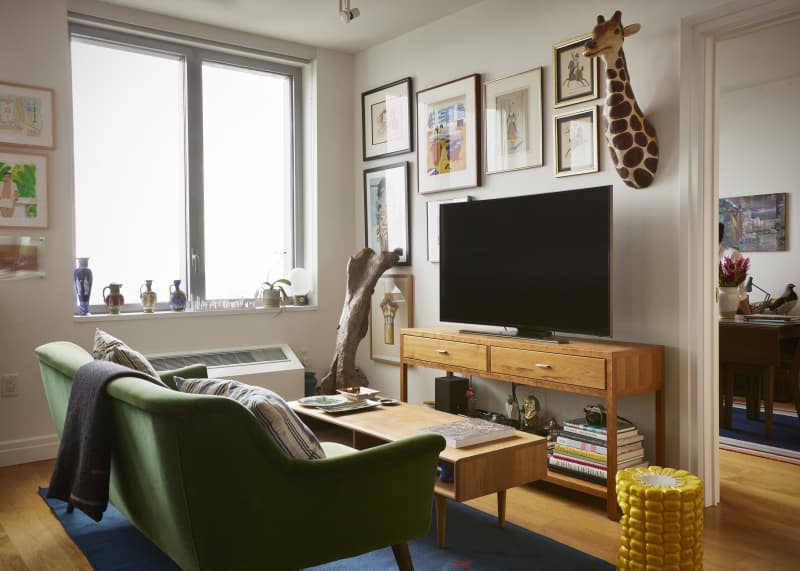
(749, 434)
(474, 541)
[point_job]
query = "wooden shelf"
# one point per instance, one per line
(605, 370)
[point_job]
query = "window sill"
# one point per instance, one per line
(136, 316)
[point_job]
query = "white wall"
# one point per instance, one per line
(498, 38)
(759, 134)
(35, 51)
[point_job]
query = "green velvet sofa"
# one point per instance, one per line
(199, 476)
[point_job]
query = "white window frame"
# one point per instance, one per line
(194, 57)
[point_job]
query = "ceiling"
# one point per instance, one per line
(312, 22)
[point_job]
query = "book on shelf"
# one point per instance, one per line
(470, 432)
(622, 438)
(594, 464)
(599, 446)
(565, 450)
(579, 470)
(623, 426)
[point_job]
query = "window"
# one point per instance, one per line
(186, 167)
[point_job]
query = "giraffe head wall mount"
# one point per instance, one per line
(631, 138)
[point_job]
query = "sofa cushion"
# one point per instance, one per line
(109, 348)
(277, 417)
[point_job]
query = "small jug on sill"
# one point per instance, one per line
(177, 298)
(114, 300)
(148, 297)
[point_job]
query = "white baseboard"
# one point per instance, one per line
(26, 450)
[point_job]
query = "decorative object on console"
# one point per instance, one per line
(386, 120)
(82, 278)
(785, 302)
(433, 225)
(448, 135)
(26, 115)
(513, 119)
(630, 136)
(739, 213)
(23, 190)
(363, 270)
(530, 412)
(148, 297)
(114, 300)
(392, 308)
(272, 293)
(575, 135)
(177, 298)
(574, 75)
(386, 210)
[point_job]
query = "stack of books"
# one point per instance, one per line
(581, 450)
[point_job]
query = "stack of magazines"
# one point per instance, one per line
(581, 449)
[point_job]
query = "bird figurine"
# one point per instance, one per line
(785, 302)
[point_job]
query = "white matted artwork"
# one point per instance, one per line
(513, 117)
(433, 225)
(449, 135)
(23, 190)
(391, 309)
(575, 135)
(26, 115)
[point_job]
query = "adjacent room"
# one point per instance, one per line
(366, 284)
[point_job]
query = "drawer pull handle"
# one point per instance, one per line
(442, 351)
(543, 365)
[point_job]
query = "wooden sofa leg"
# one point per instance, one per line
(403, 557)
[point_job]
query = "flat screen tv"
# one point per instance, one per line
(538, 263)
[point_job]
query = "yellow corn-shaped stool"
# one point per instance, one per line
(662, 519)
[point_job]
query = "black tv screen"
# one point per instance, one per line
(538, 263)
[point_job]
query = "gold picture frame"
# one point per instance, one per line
(513, 122)
(574, 75)
(391, 309)
(575, 142)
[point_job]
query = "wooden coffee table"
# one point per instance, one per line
(477, 470)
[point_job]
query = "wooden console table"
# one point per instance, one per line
(605, 370)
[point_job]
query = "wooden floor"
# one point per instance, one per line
(754, 528)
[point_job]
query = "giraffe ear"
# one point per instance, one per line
(630, 30)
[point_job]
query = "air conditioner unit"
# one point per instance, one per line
(274, 367)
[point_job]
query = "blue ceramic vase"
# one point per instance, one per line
(177, 298)
(82, 278)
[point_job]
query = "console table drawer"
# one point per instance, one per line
(565, 369)
(452, 353)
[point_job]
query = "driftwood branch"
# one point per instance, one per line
(363, 271)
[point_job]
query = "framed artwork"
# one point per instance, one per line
(26, 115)
(386, 210)
(21, 257)
(391, 309)
(755, 223)
(513, 115)
(23, 190)
(575, 136)
(433, 225)
(448, 135)
(574, 75)
(386, 120)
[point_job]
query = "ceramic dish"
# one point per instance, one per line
(323, 401)
(358, 393)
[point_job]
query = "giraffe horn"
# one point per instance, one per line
(600, 19)
(617, 16)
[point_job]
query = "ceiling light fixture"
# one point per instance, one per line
(346, 13)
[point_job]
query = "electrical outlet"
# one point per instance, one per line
(9, 385)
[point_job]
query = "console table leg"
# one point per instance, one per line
(501, 508)
(403, 382)
(441, 519)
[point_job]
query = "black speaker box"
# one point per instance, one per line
(451, 394)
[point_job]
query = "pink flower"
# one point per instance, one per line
(732, 273)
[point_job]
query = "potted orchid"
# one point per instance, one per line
(731, 274)
(272, 293)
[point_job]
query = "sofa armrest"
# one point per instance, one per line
(196, 371)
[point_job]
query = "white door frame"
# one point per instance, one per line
(699, 153)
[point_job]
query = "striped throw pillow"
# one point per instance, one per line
(109, 348)
(276, 416)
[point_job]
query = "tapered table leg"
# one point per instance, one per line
(441, 519)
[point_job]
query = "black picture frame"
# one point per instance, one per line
(386, 212)
(386, 120)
